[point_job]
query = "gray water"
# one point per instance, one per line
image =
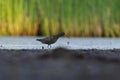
(74, 43)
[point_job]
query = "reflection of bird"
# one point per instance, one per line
(52, 39)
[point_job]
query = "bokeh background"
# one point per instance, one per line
(82, 18)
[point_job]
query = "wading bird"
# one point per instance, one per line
(51, 39)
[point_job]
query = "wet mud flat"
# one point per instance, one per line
(60, 64)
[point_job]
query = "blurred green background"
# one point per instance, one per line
(83, 18)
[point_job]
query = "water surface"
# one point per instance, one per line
(74, 43)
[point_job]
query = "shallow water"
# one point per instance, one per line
(74, 43)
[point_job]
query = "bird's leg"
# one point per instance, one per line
(49, 46)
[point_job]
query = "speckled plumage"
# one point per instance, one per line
(51, 39)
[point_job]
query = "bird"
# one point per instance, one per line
(51, 39)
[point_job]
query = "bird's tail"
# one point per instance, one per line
(38, 39)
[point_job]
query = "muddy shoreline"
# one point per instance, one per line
(60, 64)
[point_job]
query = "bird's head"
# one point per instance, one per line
(61, 34)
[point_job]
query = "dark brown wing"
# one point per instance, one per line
(49, 40)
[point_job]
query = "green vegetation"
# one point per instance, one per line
(74, 17)
(18, 17)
